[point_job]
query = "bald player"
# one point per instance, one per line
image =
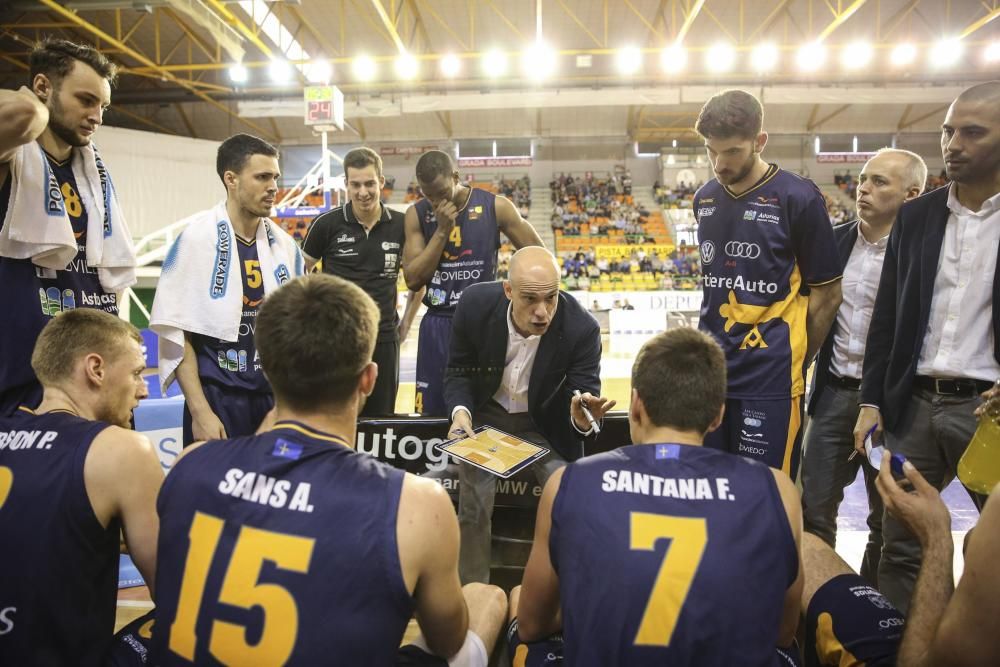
(290, 546)
(934, 342)
(519, 349)
(642, 555)
(887, 180)
(73, 478)
(452, 237)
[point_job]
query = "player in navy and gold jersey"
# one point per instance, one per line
(646, 550)
(72, 479)
(62, 109)
(452, 237)
(770, 280)
(289, 546)
(225, 391)
(230, 372)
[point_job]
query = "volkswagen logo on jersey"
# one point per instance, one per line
(707, 252)
(743, 250)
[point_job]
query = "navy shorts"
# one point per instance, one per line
(131, 648)
(769, 431)
(131, 644)
(432, 359)
(542, 653)
(850, 623)
(240, 411)
(549, 651)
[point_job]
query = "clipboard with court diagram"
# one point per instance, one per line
(492, 450)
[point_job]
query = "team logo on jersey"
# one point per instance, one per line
(668, 451)
(707, 252)
(475, 213)
(452, 258)
(742, 250)
(287, 449)
(750, 215)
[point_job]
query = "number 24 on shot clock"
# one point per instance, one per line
(324, 105)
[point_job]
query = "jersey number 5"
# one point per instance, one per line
(240, 588)
(688, 537)
(252, 269)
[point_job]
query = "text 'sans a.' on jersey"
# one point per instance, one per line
(713, 521)
(58, 565)
(279, 547)
(470, 255)
(760, 251)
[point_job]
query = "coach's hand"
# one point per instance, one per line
(461, 425)
(598, 406)
(867, 417)
(206, 426)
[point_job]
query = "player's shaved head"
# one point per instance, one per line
(988, 92)
(533, 264)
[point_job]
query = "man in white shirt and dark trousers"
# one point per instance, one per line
(887, 180)
(518, 350)
(934, 342)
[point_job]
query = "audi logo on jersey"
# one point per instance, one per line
(743, 250)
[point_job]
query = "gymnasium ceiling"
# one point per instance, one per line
(175, 56)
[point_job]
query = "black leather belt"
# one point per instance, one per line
(845, 382)
(952, 386)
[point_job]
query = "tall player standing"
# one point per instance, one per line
(452, 237)
(770, 278)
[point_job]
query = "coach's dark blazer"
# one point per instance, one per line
(568, 358)
(903, 305)
(845, 235)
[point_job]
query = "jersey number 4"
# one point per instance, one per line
(240, 588)
(688, 537)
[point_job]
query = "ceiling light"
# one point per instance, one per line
(407, 67)
(451, 66)
(856, 55)
(946, 53)
(318, 71)
(364, 68)
(992, 52)
(673, 58)
(720, 57)
(538, 61)
(764, 57)
(629, 60)
(903, 54)
(494, 63)
(280, 71)
(811, 56)
(238, 73)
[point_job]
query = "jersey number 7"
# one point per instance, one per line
(688, 537)
(240, 588)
